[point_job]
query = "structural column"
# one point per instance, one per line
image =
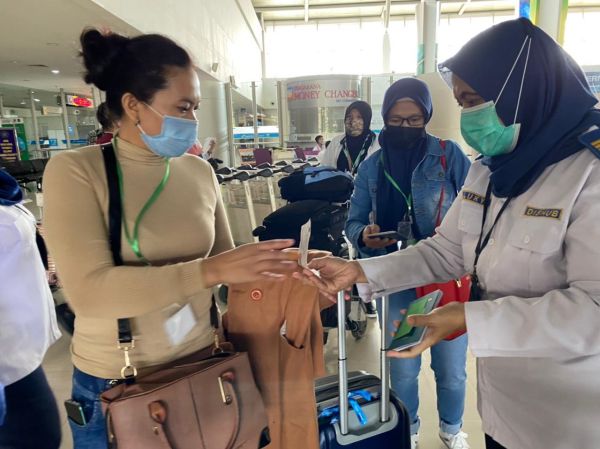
(428, 17)
(36, 128)
(549, 15)
(97, 97)
(65, 117)
(229, 111)
(386, 47)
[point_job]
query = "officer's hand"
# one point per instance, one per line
(440, 323)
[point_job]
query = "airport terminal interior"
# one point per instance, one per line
(277, 81)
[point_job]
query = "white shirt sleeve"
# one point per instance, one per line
(436, 259)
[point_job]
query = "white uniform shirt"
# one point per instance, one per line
(330, 155)
(537, 337)
(27, 318)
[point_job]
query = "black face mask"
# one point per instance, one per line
(403, 137)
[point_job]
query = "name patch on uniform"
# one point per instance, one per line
(545, 213)
(473, 197)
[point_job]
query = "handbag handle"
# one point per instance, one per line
(230, 399)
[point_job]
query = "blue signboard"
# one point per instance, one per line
(593, 78)
(9, 148)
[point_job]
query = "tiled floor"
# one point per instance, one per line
(362, 354)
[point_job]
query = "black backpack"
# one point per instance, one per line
(327, 224)
(317, 183)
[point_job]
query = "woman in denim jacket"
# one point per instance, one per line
(399, 188)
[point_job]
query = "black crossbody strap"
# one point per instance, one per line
(114, 203)
(114, 226)
(115, 219)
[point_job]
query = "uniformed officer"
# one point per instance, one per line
(526, 227)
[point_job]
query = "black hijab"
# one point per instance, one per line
(355, 144)
(556, 103)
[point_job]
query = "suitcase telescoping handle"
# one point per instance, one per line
(384, 400)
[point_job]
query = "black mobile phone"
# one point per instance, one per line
(75, 412)
(385, 235)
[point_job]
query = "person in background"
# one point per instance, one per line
(526, 228)
(320, 146)
(27, 329)
(209, 148)
(108, 123)
(412, 179)
(176, 241)
(347, 151)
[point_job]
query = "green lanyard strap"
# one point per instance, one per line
(134, 241)
(393, 182)
(353, 166)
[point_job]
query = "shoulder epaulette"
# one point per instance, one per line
(591, 140)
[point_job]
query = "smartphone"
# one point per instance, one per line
(407, 336)
(385, 235)
(75, 412)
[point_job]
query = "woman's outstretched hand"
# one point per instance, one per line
(250, 263)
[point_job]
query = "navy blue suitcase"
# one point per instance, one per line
(358, 410)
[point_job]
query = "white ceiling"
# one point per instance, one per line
(47, 32)
(295, 10)
(287, 10)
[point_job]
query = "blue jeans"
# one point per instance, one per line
(32, 420)
(448, 361)
(86, 391)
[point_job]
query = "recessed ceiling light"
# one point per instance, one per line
(23, 102)
(36, 99)
(52, 44)
(14, 62)
(55, 71)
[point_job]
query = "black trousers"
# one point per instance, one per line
(490, 443)
(32, 420)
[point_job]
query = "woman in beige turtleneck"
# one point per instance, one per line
(185, 246)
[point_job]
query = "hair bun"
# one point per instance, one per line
(99, 52)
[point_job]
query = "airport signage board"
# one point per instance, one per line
(9, 147)
(79, 102)
(322, 93)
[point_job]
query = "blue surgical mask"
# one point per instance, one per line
(481, 126)
(177, 135)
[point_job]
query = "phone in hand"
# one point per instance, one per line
(407, 336)
(393, 235)
(75, 412)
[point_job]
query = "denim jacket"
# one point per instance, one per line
(426, 185)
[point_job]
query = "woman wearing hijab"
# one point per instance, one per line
(347, 151)
(409, 184)
(28, 324)
(526, 228)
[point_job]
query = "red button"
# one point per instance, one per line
(256, 295)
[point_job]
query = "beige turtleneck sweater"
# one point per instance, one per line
(185, 225)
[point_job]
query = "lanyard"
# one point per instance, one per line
(393, 182)
(134, 241)
(483, 241)
(353, 166)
